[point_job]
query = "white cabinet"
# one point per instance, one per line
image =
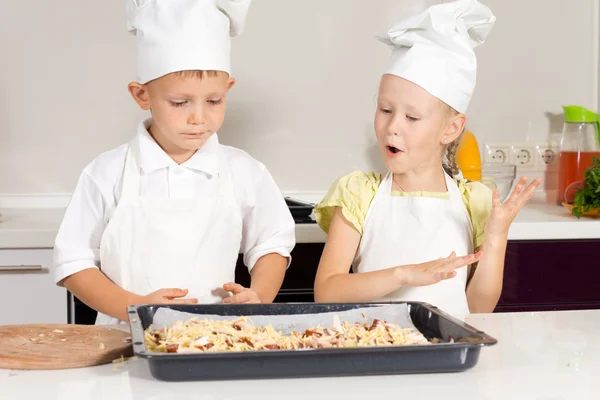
(28, 294)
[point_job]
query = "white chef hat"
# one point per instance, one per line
(434, 49)
(181, 35)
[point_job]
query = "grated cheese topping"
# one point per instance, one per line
(193, 336)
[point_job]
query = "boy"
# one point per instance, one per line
(166, 215)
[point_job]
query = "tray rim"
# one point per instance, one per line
(139, 346)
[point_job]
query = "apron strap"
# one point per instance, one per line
(384, 189)
(225, 180)
(453, 190)
(131, 174)
(386, 184)
(226, 186)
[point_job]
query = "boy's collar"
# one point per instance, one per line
(152, 157)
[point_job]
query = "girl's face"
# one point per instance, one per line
(412, 126)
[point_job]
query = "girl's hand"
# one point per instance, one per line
(503, 215)
(241, 295)
(432, 272)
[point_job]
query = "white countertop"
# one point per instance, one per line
(539, 220)
(539, 356)
(29, 227)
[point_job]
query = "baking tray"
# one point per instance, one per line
(458, 351)
(298, 208)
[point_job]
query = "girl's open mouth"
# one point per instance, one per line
(391, 150)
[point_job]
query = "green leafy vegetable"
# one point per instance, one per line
(588, 197)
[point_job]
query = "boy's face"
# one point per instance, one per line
(411, 125)
(186, 109)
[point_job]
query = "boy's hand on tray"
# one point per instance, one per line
(168, 296)
(432, 272)
(241, 295)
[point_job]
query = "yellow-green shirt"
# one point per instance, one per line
(354, 192)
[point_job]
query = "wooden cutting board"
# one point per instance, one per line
(61, 346)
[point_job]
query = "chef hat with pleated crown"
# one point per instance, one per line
(434, 49)
(184, 35)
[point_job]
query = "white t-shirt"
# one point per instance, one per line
(268, 226)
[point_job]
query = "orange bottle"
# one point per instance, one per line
(468, 157)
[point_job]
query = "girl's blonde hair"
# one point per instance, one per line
(450, 164)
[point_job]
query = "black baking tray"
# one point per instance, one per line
(299, 209)
(458, 351)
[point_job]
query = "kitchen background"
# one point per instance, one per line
(307, 74)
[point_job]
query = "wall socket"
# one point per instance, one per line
(526, 156)
(497, 154)
(547, 157)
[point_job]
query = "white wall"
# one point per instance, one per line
(307, 76)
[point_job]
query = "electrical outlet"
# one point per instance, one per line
(497, 154)
(525, 156)
(547, 156)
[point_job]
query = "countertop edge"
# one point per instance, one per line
(312, 233)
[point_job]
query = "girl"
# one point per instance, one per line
(407, 234)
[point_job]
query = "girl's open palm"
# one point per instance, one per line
(432, 272)
(503, 214)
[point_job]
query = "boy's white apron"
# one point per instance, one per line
(151, 244)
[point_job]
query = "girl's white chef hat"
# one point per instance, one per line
(434, 49)
(181, 35)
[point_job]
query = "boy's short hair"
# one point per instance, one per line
(197, 74)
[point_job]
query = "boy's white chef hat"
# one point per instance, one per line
(181, 35)
(434, 49)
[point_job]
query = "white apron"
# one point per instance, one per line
(401, 230)
(151, 244)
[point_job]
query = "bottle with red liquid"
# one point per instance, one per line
(580, 143)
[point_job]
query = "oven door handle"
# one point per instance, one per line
(22, 268)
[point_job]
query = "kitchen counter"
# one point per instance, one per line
(29, 227)
(540, 219)
(539, 356)
(22, 227)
